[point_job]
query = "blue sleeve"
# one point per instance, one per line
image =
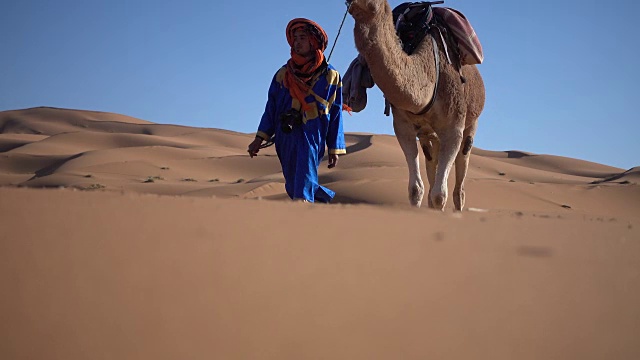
(266, 129)
(335, 134)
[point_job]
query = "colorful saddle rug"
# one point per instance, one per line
(414, 20)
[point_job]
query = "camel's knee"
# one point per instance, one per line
(427, 153)
(467, 145)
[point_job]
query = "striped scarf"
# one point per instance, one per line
(300, 71)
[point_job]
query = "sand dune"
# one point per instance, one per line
(126, 239)
(47, 147)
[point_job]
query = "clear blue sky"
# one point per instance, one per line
(561, 76)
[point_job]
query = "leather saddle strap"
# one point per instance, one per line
(436, 56)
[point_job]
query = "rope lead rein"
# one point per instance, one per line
(348, 3)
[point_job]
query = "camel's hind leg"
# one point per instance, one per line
(462, 165)
(406, 136)
(430, 148)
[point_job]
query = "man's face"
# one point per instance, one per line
(301, 43)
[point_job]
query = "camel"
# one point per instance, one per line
(445, 132)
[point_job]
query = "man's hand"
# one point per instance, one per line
(254, 147)
(333, 160)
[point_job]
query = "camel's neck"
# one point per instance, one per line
(406, 81)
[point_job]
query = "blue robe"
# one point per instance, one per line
(301, 151)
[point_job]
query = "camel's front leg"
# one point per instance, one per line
(450, 141)
(406, 136)
(430, 148)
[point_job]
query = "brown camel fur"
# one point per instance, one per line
(446, 131)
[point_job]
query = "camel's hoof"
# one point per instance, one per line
(439, 201)
(458, 201)
(415, 196)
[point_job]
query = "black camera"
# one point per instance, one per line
(289, 119)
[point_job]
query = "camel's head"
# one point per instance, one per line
(363, 10)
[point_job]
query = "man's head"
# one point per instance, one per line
(302, 43)
(306, 37)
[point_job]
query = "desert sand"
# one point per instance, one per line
(125, 239)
